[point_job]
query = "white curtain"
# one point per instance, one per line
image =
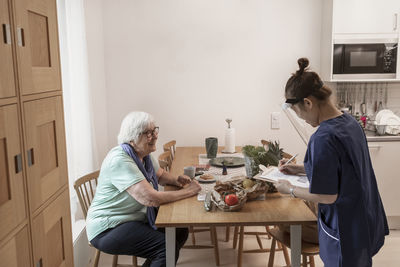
(78, 111)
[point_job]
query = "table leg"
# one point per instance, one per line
(295, 244)
(170, 245)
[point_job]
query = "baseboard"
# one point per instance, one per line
(394, 222)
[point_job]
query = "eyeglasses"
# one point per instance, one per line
(151, 133)
(291, 102)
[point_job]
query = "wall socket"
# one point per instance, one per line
(275, 120)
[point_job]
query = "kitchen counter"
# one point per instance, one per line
(373, 137)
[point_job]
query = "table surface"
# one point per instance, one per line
(275, 209)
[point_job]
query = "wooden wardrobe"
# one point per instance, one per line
(35, 223)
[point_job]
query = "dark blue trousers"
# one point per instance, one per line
(139, 239)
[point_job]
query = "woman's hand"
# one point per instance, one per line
(283, 186)
(291, 169)
(193, 188)
(183, 180)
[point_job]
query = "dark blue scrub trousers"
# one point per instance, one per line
(139, 239)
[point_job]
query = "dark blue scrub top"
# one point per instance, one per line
(337, 161)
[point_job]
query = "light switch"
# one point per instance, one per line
(275, 120)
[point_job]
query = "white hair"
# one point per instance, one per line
(133, 125)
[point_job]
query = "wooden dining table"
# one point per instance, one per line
(275, 209)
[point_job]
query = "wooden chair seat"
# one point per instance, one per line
(308, 250)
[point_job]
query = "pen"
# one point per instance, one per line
(292, 158)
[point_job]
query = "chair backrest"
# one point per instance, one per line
(170, 146)
(285, 155)
(85, 189)
(165, 159)
(164, 165)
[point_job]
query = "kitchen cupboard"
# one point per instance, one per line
(7, 77)
(385, 160)
(355, 20)
(366, 16)
(35, 223)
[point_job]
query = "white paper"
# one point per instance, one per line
(273, 175)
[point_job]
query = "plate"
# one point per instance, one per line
(382, 113)
(200, 180)
(228, 161)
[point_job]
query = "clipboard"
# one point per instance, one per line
(272, 174)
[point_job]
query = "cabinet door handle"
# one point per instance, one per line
(395, 21)
(18, 163)
(21, 36)
(374, 146)
(7, 33)
(31, 159)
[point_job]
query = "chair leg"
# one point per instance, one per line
(191, 230)
(240, 250)
(272, 253)
(304, 261)
(96, 258)
(259, 242)
(235, 236)
(134, 261)
(285, 254)
(115, 261)
(227, 233)
(312, 263)
(214, 238)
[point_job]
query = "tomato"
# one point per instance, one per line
(231, 199)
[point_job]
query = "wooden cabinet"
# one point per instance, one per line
(45, 148)
(385, 159)
(35, 223)
(7, 77)
(15, 252)
(12, 196)
(37, 46)
(51, 235)
(366, 16)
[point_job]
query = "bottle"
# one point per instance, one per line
(224, 170)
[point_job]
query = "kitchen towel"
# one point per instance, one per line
(229, 140)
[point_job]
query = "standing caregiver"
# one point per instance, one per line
(121, 217)
(351, 219)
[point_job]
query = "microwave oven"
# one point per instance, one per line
(376, 60)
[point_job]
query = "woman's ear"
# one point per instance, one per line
(308, 104)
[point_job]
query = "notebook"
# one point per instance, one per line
(272, 174)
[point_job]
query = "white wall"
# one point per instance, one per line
(194, 63)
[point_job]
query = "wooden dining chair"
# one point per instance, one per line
(165, 159)
(308, 250)
(170, 146)
(238, 237)
(85, 189)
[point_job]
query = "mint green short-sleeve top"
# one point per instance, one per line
(112, 204)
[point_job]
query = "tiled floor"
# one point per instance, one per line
(389, 255)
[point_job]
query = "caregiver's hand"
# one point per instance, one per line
(292, 169)
(283, 186)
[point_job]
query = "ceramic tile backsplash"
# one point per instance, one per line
(374, 95)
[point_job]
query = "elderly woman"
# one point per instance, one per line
(121, 217)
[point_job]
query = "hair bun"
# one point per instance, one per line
(303, 63)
